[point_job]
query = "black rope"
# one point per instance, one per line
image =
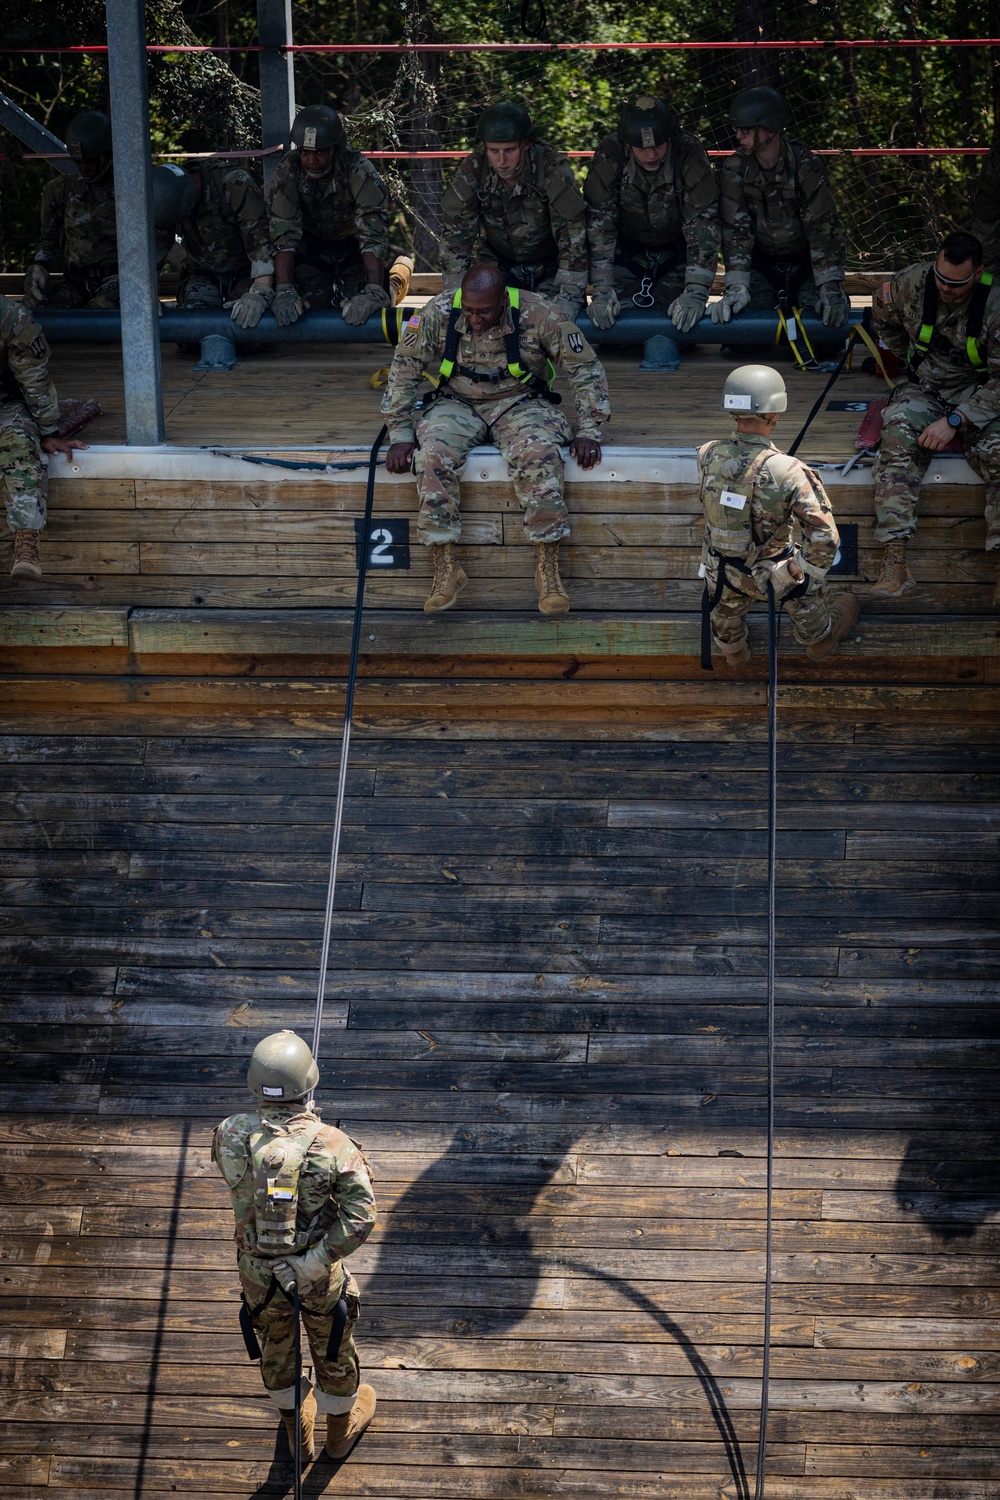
(838, 371)
(297, 1440)
(542, 22)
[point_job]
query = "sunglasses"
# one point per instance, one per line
(952, 280)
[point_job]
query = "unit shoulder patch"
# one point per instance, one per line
(575, 341)
(411, 332)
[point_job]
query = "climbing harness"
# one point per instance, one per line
(973, 326)
(537, 385)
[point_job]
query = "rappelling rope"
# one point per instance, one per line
(345, 743)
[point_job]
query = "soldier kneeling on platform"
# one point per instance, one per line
(493, 351)
(752, 493)
(303, 1201)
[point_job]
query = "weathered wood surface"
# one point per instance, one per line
(545, 1024)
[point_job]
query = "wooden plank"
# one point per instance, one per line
(63, 627)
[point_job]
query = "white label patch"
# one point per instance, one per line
(281, 1195)
(270, 1093)
(736, 403)
(732, 499)
(309, 138)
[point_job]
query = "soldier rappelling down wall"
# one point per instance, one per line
(303, 1201)
(329, 223)
(752, 494)
(494, 352)
(515, 202)
(781, 233)
(79, 235)
(652, 218)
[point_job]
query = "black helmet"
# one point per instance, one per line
(504, 122)
(174, 194)
(761, 106)
(647, 121)
(317, 128)
(88, 135)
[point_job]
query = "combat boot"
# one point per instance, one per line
(737, 653)
(26, 564)
(343, 1431)
(449, 579)
(895, 577)
(307, 1426)
(996, 585)
(843, 617)
(552, 596)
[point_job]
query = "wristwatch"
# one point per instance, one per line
(955, 419)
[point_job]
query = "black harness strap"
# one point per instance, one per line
(709, 603)
(973, 326)
(337, 1327)
(247, 1314)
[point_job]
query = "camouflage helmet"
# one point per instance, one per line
(88, 135)
(317, 128)
(760, 106)
(174, 194)
(647, 121)
(504, 122)
(754, 389)
(282, 1067)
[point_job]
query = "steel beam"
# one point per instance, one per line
(21, 125)
(140, 304)
(277, 77)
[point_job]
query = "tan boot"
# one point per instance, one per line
(307, 1426)
(737, 653)
(552, 596)
(449, 579)
(343, 1432)
(895, 577)
(844, 613)
(26, 564)
(399, 278)
(996, 586)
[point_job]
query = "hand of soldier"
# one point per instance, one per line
(359, 308)
(734, 299)
(834, 304)
(248, 310)
(287, 306)
(36, 281)
(399, 459)
(686, 309)
(56, 444)
(604, 307)
(309, 1271)
(586, 451)
(938, 435)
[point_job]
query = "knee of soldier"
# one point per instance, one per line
(436, 456)
(540, 454)
(982, 450)
(16, 447)
(199, 294)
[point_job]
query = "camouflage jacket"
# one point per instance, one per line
(785, 491)
(78, 224)
(350, 200)
(780, 211)
(986, 208)
(945, 370)
(540, 218)
(545, 334)
(679, 202)
(336, 1204)
(24, 366)
(228, 229)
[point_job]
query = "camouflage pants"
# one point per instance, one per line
(901, 464)
(809, 613)
(666, 280)
(539, 278)
(80, 289)
(763, 296)
(336, 1378)
(25, 484)
(202, 289)
(528, 434)
(321, 280)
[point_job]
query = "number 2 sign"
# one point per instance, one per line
(388, 544)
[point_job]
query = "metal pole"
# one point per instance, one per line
(21, 125)
(277, 77)
(134, 219)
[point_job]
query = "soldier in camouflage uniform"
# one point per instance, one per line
(496, 391)
(515, 202)
(781, 233)
(78, 224)
(329, 223)
(752, 495)
(29, 426)
(652, 218)
(218, 213)
(303, 1201)
(948, 395)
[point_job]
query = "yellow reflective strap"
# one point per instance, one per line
(860, 332)
(793, 342)
(396, 316)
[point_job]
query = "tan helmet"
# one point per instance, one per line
(752, 390)
(282, 1067)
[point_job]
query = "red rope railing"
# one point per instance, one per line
(402, 47)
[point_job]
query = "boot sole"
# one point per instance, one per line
(563, 609)
(831, 645)
(25, 570)
(877, 593)
(439, 609)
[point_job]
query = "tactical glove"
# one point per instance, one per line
(686, 309)
(287, 305)
(604, 307)
(36, 281)
(359, 308)
(310, 1271)
(834, 304)
(248, 310)
(734, 299)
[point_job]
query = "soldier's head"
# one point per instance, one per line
(282, 1069)
(755, 395)
(505, 130)
(175, 193)
(316, 133)
(958, 267)
(88, 142)
(646, 125)
(484, 297)
(757, 117)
